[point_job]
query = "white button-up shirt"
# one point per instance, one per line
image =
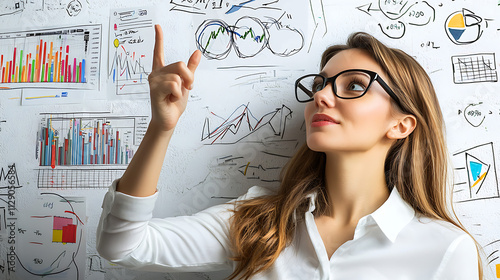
(391, 243)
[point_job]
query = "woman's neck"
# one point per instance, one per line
(355, 183)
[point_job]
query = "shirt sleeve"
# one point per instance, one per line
(128, 235)
(460, 262)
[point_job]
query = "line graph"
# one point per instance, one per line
(249, 36)
(128, 72)
(474, 68)
(130, 61)
(241, 123)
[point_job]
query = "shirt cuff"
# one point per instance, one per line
(130, 208)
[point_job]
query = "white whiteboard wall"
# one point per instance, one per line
(242, 122)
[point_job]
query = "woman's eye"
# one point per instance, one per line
(356, 87)
(317, 87)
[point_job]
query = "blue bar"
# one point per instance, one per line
(83, 71)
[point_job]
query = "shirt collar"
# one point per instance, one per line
(391, 217)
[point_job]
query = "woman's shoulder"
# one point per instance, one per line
(438, 233)
(257, 191)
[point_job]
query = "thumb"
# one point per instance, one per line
(194, 60)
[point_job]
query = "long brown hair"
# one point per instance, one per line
(416, 165)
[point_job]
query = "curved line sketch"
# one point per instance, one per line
(396, 14)
(72, 233)
(399, 26)
(249, 36)
(471, 114)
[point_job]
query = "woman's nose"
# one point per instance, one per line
(325, 97)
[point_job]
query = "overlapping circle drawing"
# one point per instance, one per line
(248, 36)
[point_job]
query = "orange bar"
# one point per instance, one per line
(50, 53)
(7, 72)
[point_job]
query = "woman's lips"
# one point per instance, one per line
(322, 120)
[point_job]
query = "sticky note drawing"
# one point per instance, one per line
(64, 231)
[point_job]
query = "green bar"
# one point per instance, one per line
(21, 66)
(43, 73)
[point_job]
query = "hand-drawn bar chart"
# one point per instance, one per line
(474, 68)
(51, 58)
(79, 150)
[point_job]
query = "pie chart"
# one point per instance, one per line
(463, 27)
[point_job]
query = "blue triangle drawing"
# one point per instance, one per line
(456, 33)
(475, 169)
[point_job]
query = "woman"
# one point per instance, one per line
(363, 199)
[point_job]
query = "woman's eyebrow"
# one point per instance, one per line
(323, 73)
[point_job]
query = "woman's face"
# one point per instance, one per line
(334, 124)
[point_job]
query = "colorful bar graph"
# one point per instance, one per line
(84, 143)
(66, 57)
(45, 68)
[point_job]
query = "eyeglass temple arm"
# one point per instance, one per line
(388, 90)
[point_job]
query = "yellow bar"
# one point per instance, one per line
(36, 97)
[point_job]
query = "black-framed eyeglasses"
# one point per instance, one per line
(348, 84)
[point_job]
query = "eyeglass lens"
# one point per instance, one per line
(352, 84)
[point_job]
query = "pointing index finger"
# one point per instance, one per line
(158, 55)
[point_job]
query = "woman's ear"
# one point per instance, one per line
(404, 126)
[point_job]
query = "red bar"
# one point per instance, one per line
(65, 150)
(66, 69)
(74, 71)
(53, 156)
(116, 149)
(95, 133)
(12, 66)
(44, 51)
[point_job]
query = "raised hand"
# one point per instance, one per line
(169, 86)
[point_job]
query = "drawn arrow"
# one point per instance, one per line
(367, 8)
